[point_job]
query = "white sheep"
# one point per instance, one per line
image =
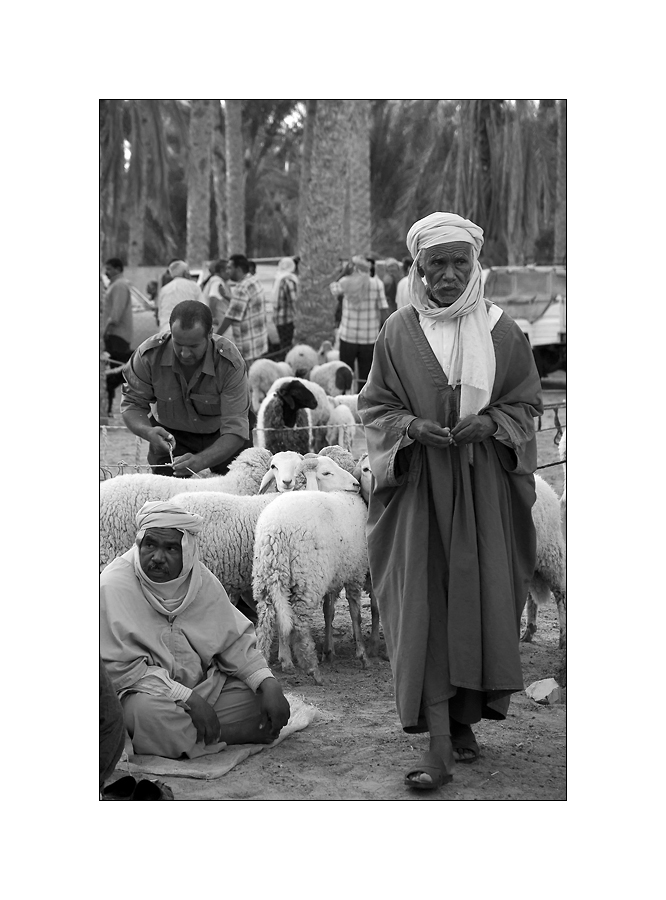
(226, 541)
(563, 499)
(341, 427)
(550, 569)
(301, 358)
(327, 353)
(261, 375)
(123, 496)
(350, 400)
(306, 550)
(336, 377)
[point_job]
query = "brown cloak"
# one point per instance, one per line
(451, 545)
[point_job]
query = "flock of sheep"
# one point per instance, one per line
(284, 529)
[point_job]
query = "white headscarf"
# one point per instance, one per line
(472, 356)
(173, 596)
(286, 269)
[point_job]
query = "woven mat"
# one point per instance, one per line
(215, 765)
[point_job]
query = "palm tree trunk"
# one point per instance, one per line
(235, 177)
(360, 229)
(219, 182)
(198, 182)
(137, 217)
(560, 249)
(322, 242)
(306, 167)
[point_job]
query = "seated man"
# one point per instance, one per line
(182, 659)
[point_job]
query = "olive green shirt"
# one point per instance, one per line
(215, 399)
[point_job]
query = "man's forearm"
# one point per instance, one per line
(226, 322)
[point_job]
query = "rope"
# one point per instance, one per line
(548, 465)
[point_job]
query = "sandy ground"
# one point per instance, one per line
(355, 748)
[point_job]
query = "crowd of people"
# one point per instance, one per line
(448, 395)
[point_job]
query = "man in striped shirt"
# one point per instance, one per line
(247, 311)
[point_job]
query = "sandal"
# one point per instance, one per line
(431, 764)
(462, 738)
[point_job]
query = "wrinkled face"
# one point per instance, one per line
(161, 554)
(190, 344)
(447, 269)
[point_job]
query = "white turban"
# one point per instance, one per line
(472, 363)
(163, 514)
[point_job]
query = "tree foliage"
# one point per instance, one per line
(494, 161)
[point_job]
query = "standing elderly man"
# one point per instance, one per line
(183, 660)
(198, 386)
(448, 412)
(364, 310)
(180, 288)
(247, 311)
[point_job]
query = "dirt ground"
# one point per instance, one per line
(355, 748)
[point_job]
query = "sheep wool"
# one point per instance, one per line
(550, 569)
(335, 377)
(307, 545)
(302, 358)
(226, 542)
(123, 496)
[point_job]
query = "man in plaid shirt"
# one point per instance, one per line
(247, 311)
(364, 309)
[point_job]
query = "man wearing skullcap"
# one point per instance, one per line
(364, 309)
(449, 411)
(183, 660)
(180, 287)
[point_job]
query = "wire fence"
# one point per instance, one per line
(346, 436)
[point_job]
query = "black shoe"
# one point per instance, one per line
(122, 789)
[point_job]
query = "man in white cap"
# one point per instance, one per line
(448, 411)
(181, 657)
(180, 288)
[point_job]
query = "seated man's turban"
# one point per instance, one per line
(163, 514)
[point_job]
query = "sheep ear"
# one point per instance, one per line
(266, 481)
(311, 480)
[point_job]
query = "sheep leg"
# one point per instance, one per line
(304, 645)
(264, 627)
(354, 600)
(530, 629)
(329, 614)
(561, 601)
(284, 653)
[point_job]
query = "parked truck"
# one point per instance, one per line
(536, 298)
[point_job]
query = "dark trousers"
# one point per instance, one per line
(350, 353)
(111, 726)
(189, 442)
(119, 351)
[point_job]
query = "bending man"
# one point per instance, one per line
(181, 657)
(448, 413)
(197, 384)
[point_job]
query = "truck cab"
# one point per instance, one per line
(536, 298)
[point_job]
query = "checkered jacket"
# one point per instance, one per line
(247, 311)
